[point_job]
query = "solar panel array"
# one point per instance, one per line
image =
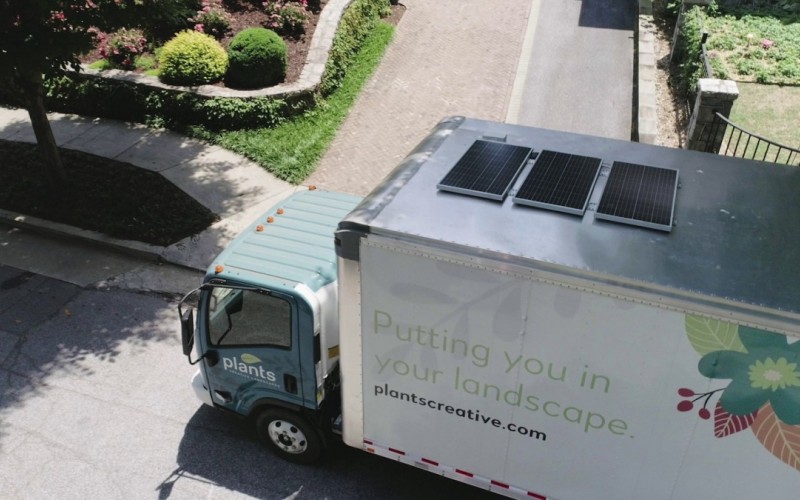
(634, 194)
(486, 170)
(639, 195)
(559, 181)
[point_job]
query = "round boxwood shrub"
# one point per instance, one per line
(192, 58)
(257, 59)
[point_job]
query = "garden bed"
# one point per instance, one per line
(755, 45)
(243, 14)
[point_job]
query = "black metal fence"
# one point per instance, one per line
(741, 143)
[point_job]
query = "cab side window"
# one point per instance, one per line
(247, 317)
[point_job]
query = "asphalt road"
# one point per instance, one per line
(579, 76)
(95, 397)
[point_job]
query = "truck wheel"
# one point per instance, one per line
(289, 435)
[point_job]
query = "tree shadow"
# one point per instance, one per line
(54, 334)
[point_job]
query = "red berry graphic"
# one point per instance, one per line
(685, 392)
(704, 413)
(685, 406)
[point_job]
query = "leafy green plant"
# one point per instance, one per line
(689, 51)
(192, 58)
(287, 17)
(212, 18)
(121, 48)
(257, 58)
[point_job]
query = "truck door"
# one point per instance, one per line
(251, 345)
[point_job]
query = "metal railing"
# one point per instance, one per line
(741, 143)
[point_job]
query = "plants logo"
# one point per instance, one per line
(249, 366)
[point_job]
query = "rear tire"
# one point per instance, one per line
(289, 436)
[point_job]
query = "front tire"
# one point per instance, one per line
(289, 436)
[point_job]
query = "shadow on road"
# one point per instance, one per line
(221, 450)
(608, 14)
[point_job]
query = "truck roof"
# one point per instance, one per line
(292, 243)
(733, 243)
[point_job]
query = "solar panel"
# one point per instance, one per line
(639, 195)
(559, 181)
(486, 170)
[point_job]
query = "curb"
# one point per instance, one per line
(647, 109)
(35, 224)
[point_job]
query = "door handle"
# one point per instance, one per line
(290, 383)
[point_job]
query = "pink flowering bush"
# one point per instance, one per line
(121, 47)
(286, 17)
(212, 19)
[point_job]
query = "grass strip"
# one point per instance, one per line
(292, 150)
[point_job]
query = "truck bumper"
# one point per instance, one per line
(200, 388)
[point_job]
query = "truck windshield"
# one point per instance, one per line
(248, 317)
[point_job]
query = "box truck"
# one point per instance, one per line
(536, 313)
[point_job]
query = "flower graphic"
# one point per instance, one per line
(767, 372)
(774, 375)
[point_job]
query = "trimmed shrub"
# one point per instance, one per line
(357, 22)
(192, 58)
(257, 58)
(175, 109)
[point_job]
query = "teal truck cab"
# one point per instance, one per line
(267, 306)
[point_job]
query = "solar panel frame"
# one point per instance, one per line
(486, 170)
(559, 181)
(639, 195)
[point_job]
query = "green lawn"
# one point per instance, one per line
(770, 111)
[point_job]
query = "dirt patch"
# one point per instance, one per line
(673, 115)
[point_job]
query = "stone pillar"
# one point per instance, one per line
(713, 96)
(685, 5)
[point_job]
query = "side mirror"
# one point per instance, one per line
(187, 331)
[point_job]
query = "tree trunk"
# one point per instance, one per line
(54, 172)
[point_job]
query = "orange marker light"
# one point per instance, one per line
(270, 220)
(312, 188)
(280, 211)
(259, 228)
(218, 269)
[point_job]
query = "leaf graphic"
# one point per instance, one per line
(250, 359)
(780, 439)
(726, 424)
(709, 335)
